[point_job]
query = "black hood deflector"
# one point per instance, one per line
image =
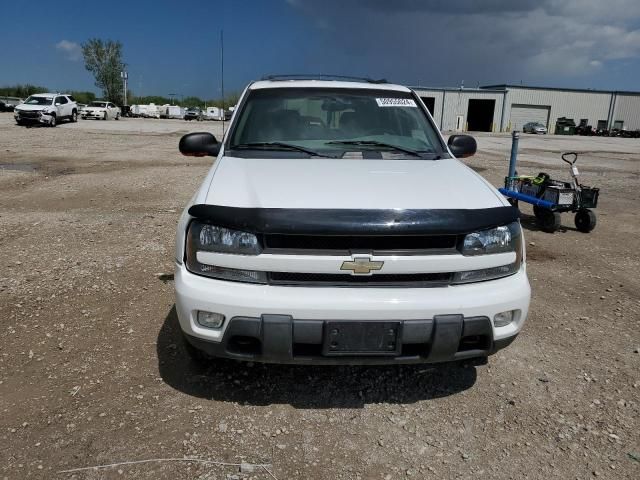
(303, 221)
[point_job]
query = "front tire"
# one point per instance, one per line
(585, 220)
(74, 117)
(105, 116)
(53, 122)
(117, 116)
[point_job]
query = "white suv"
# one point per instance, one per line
(337, 226)
(46, 108)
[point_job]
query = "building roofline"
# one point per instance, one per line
(507, 86)
(457, 89)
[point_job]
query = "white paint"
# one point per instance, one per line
(325, 303)
(330, 264)
(339, 183)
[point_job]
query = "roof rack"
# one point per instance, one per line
(320, 76)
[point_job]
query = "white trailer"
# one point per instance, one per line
(162, 110)
(174, 111)
(214, 113)
(138, 110)
(152, 111)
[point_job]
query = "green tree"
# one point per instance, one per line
(103, 58)
(22, 91)
(83, 97)
(192, 102)
(229, 101)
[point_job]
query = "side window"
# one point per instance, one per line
(61, 100)
(71, 98)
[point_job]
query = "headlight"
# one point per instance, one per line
(223, 240)
(211, 238)
(506, 238)
(503, 239)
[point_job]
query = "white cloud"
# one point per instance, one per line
(71, 50)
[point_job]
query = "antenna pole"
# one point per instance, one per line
(222, 77)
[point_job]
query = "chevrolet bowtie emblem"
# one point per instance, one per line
(361, 265)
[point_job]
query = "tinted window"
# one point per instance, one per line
(61, 100)
(71, 98)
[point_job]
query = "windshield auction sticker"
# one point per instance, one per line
(395, 102)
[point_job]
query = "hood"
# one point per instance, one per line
(94, 109)
(32, 108)
(349, 184)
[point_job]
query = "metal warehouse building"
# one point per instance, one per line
(502, 108)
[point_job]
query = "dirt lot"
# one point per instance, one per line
(92, 370)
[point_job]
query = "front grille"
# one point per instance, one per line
(376, 280)
(30, 114)
(343, 245)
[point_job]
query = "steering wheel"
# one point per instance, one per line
(569, 154)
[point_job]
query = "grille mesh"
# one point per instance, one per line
(345, 243)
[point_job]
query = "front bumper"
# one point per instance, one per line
(96, 115)
(266, 323)
(35, 117)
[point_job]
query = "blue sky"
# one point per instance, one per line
(174, 47)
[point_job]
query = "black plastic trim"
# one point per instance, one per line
(503, 343)
(276, 338)
(308, 221)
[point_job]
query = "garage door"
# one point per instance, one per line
(521, 114)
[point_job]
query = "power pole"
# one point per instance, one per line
(125, 77)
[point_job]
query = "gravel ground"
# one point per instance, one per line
(92, 370)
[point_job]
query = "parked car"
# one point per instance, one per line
(534, 127)
(337, 226)
(7, 104)
(46, 108)
(101, 110)
(193, 113)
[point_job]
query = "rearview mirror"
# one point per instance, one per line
(462, 146)
(199, 144)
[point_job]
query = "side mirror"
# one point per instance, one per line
(199, 144)
(462, 146)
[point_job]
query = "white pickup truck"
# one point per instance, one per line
(336, 226)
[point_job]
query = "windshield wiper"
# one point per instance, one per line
(374, 143)
(278, 146)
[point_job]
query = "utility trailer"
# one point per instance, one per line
(551, 197)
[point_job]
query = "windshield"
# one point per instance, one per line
(336, 123)
(39, 100)
(98, 104)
